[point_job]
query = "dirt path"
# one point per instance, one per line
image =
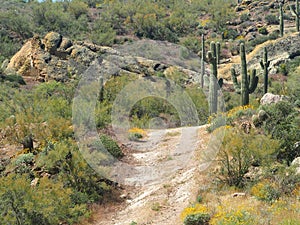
(162, 177)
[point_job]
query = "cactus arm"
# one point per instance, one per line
(218, 52)
(253, 81)
(220, 83)
(101, 92)
(236, 84)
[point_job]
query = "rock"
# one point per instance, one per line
(269, 98)
(55, 57)
(238, 194)
(279, 50)
(52, 42)
(34, 182)
(65, 43)
(258, 119)
(296, 163)
(253, 173)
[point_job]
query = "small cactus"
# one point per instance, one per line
(264, 63)
(248, 83)
(213, 80)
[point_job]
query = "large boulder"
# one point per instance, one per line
(52, 42)
(269, 98)
(296, 164)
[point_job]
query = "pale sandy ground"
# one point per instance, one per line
(162, 177)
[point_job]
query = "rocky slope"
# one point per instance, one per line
(59, 58)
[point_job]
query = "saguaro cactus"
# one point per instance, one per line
(218, 53)
(248, 83)
(295, 11)
(214, 83)
(202, 62)
(101, 92)
(281, 21)
(264, 63)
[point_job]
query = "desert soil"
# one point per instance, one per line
(161, 179)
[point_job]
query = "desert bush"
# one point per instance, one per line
(136, 134)
(265, 191)
(283, 124)
(111, 146)
(239, 151)
(44, 204)
(13, 78)
(216, 121)
(233, 217)
(272, 19)
(263, 30)
(195, 215)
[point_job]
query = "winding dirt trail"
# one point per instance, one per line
(163, 178)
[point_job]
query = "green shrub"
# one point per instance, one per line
(216, 121)
(283, 124)
(48, 203)
(245, 17)
(13, 78)
(135, 136)
(197, 219)
(111, 146)
(239, 151)
(272, 19)
(239, 217)
(265, 191)
(263, 30)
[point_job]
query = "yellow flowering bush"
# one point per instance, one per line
(240, 216)
(265, 191)
(136, 133)
(197, 214)
(240, 111)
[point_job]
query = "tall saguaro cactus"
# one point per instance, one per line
(248, 83)
(296, 12)
(214, 83)
(265, 63)
(202, 61)
(281, 21)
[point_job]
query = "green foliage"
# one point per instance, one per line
(197, 219)
(44, 204)
(263, 30)
(111, 146)
(272, 19)
(283, 124)
(13, 79)
(102, 33)
(239, 151)
(265, 191)
(232, 217)
(135, 136)
(293, 88)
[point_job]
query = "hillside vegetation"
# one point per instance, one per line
(237, 61)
